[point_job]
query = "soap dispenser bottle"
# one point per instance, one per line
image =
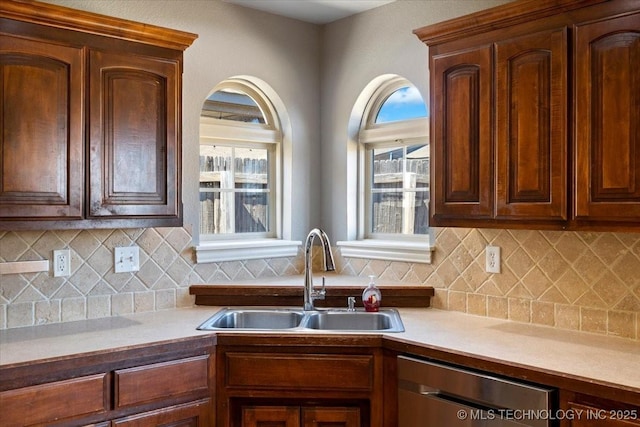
(371, 296)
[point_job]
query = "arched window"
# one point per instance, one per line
(395, 142)
(239, 144)
(391, 166)
(241, 174)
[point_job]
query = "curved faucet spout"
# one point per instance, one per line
(310, 294)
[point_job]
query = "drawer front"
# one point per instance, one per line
(162, 381)
(57, 401)
(297, 371)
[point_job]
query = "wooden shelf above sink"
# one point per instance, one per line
(288, 295)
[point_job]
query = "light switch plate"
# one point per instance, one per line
(126, 259)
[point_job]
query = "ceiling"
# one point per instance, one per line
(314, 11)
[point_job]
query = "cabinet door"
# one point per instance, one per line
(591, 416)
(60, 401)
(270, 416)
(531, 144)
(195, 414)
(607, 130)
(41, 141)
(331, 417)
(134, 154)
(461, 147)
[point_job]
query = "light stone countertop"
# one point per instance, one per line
(588, 357)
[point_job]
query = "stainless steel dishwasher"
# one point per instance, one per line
(432, 394)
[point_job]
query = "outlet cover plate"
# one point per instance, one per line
(126, 259)
(61, 263)
(492, 261)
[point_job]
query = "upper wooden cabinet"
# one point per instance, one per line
(607, 108)
(529, 132)
(91, 113)
(42, 129)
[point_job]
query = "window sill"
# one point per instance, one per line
(235, 250)
(390, 250)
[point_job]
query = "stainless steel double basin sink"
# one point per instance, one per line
(294, 319)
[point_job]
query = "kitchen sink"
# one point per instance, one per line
(252, 318)
(333, 319)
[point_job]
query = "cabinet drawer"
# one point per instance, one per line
(296, 371)
(57, 401)
(162, 381)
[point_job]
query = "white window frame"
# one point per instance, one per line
(370, 135)
(244, 246)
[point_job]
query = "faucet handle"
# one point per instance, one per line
(319, 293)
(351, 303)
(323, 290)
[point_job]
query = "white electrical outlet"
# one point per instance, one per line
(61, 263)
(126, 259)
(492, 261)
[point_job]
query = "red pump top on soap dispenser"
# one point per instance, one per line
(371, 297)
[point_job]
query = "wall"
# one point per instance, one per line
(581, 281)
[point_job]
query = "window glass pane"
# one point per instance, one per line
(403, 104)
(400, 212)
(417, 166)
(232, 105)
(234, 194)
(252, 167)
(388, 165)
(251, 214)
(400, 190)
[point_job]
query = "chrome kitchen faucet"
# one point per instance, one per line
(310, 294)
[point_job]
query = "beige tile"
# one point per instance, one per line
(519, 262)
(457, 301)
(519, 291)
(593, 320)
(20, 314)
(144, 301)
(570, 246)
(98, 306)
(553, 265)
(536, 282)
(497, 307)
(165, 299)
(543, 313)
(184, 299)
(440, 300)
(622, 324)
(553, 295)
(477, 304)
(74, 309)
(121, 304)
(48, 312)
(571, 286)
(519, 310)
(567, 316)
(475, 275)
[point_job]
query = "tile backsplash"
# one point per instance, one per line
(570, 280)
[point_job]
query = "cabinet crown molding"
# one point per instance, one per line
(72, 19)
(506, 15)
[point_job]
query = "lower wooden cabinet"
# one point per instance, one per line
(294, 416)
(591, 411)
(64, 400)
(196, 414)
(164, 385)
(308, 385)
